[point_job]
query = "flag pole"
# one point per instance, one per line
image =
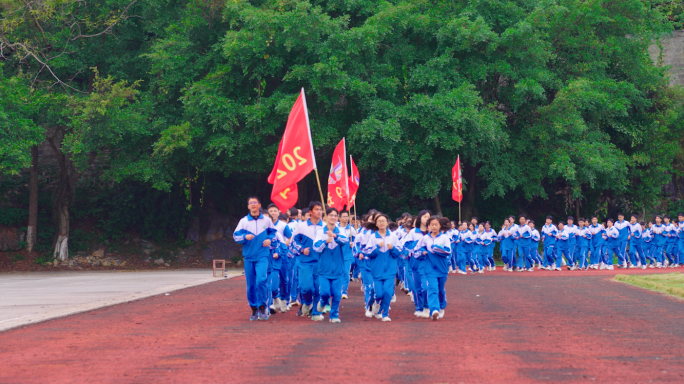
(315, 167)
(459, 211)
(321, 192)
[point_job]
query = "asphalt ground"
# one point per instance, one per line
(568, 326)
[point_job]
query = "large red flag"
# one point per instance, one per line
(457, 191)
(295, 156)
(338, 190)
(353, 182)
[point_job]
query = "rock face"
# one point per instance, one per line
(10, 239)
(672, 55)
(211, 226)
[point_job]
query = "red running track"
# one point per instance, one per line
(499, 327)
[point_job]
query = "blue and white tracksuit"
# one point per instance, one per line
(613, 239)
(636, 252)
(623, 228)
(256, 256)
(583, 243)
(563, 245)
(489, 240)
(524, 246)
(680, 242)
(402, 263)
(647, 245)
(516, 250)
(294, 265)
(479, 248)
(461, 257)
(419, 280)
(549, 233)
(534, 248)
(505, 246)
(435, 252)
(282, 289)
(596, 246)
(303, 239)
(383, 263)
(671, 243)
(330, 268)
(278, 263)
(572, 244)
(364, 267)
(350, 233)
(659, 242)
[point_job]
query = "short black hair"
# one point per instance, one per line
(255, 198)
(331, 210)
(666, 217)
(313, 205)
(634, 216)
(524, 216)
(594, 217)
(621, 214)
(283, 217)
(610, 219)
(582, 219)
(571, 218)
(272, 206)
(531, 222)
(294, 211)
(680, 214)
(305, 211)
(343, 211)
(561, 222)
(549, 217)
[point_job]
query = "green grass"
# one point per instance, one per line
(669, 283)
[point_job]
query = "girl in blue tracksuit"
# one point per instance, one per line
(279, 246)
(636, 253)
(435, 248)
(350, 233)
(455, 237)
(505, 243)
(534, 248)
(549, 234)
(562, 245)
(670, 243)
(480, 252)
(364, 264)
(461, 249)
(680, 237)
(583, 242)
(410, 241)
(490, 243)
(303, 241)
(659, 241)
(595, 252)
(612, 236)
(255, 233)
(384, 250)
(647, 243)
(471, 248)
(329, 244)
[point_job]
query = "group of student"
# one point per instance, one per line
(307, 258)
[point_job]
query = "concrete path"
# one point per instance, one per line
(28, 298)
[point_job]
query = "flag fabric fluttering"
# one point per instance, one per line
(295, 157)
(354, 182)
(457, 191)
(338, 190)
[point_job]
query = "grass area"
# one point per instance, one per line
(669, 283)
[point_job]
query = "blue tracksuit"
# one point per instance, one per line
(623, 238)
(348, 253)
(364, 267)
(534, 248)
(383, 263)
(549, 233)
(294, 265)
(636, 252)
(524, 246)
(613, 239)
(647, 245)
(659, 242)
(671, 243)
(563, 245)
(303, 239)
(505, 246)
(419, 280)
(680, 242)
(489, 241)
(331, 268)
(436, 251)
(596, 245)
(583, 242)
(256, 256)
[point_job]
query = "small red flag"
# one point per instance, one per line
(354, 182)
(338, 189)
(295, 157)
(457, 191)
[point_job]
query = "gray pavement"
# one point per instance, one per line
(31, 297)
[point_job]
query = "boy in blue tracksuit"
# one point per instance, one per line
(595, 252)
(612, 237)
(572, 242)
(303, 241)
(329, 244)
(384, 250)
(534, 247)
(659, 241)
(680, 237)
(461, 250)
(670, 242)
(524, 244)
(255, 233)
(637, 258)
(280, 283)
(583, 243)
(562, 246)
(293, 258)
(647, 243)
(505, 245)
(623, 227)
(350, 233)
(549, 234)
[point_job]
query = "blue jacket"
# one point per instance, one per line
(383, 261)
(304, 237)
(623, 228)
(330, 255)
(438, 253)
(262, 229)
(549, 233)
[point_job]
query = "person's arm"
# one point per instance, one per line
(442, 248)
(240, 234)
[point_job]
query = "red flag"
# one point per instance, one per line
(295, 156)
(337, 178)
(353, 182)
(457, 191)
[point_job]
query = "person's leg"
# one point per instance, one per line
(424, 286)
(325, 289)
(306, 283)
(250, 278)
(316, 295)
(622, 256)
(336, 287)
(261, 268)
(294, 281)
(387, 293)
(442, 292)
(417, 290)
(570, 256)
(368, 291)
(559, 256)
(433, 294)
(274, 285)
(345, 278)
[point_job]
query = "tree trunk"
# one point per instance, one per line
(468, 203)
(577, 209)
(62, 243)
(438, 206)
(32, 229)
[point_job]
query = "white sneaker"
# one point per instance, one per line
(461, 272)
(345, 297)
(643, 267)
(530, 269)
(394, 299)
(510, 269)
(425, 314)
(556, 269)
(441, 314)
(378, 316)
(376, 308)
(417, 314)
(386, 319)
(494, 268)
(480, 271)
(317, 318)
(369, 313)
(651, 266)
(319, 307)
(335, 320)
(610, 268)
(603, 266)
(451, 268)
(306, 309)
(435, 315)
(411, 294)
(283, 306)
(659, 265)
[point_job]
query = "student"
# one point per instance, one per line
(595, 252)
(549, 235)
(350, 233)
(636, 252)
(505, 245)
(461, 253)
(255, 233)
(479, 247)
(612, 236)
(408, 275)
(572, 242)
(562, 246)
(364, 264)
(280, 274)
(647, 243)
(534, 245)
(680, 238)
(623, 227)
(670, 232)
(583, 244)
(410, 241)
(471, 248)
(516, 253)
(293, 280)
(303, 242)
(435, 248)
(659, 241)
(490, 238)
(524, 245)
(383, 249)
(329, 244)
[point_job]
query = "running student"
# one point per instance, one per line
(659, 241)
(612, 237)
(384, 250)
(435, 248)
(331, 266)
(670, 243)
(419, 287)
(303, 242)
(350, 233)
(255, 233)
(637, 258)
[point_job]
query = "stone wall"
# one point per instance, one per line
(672, 55)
